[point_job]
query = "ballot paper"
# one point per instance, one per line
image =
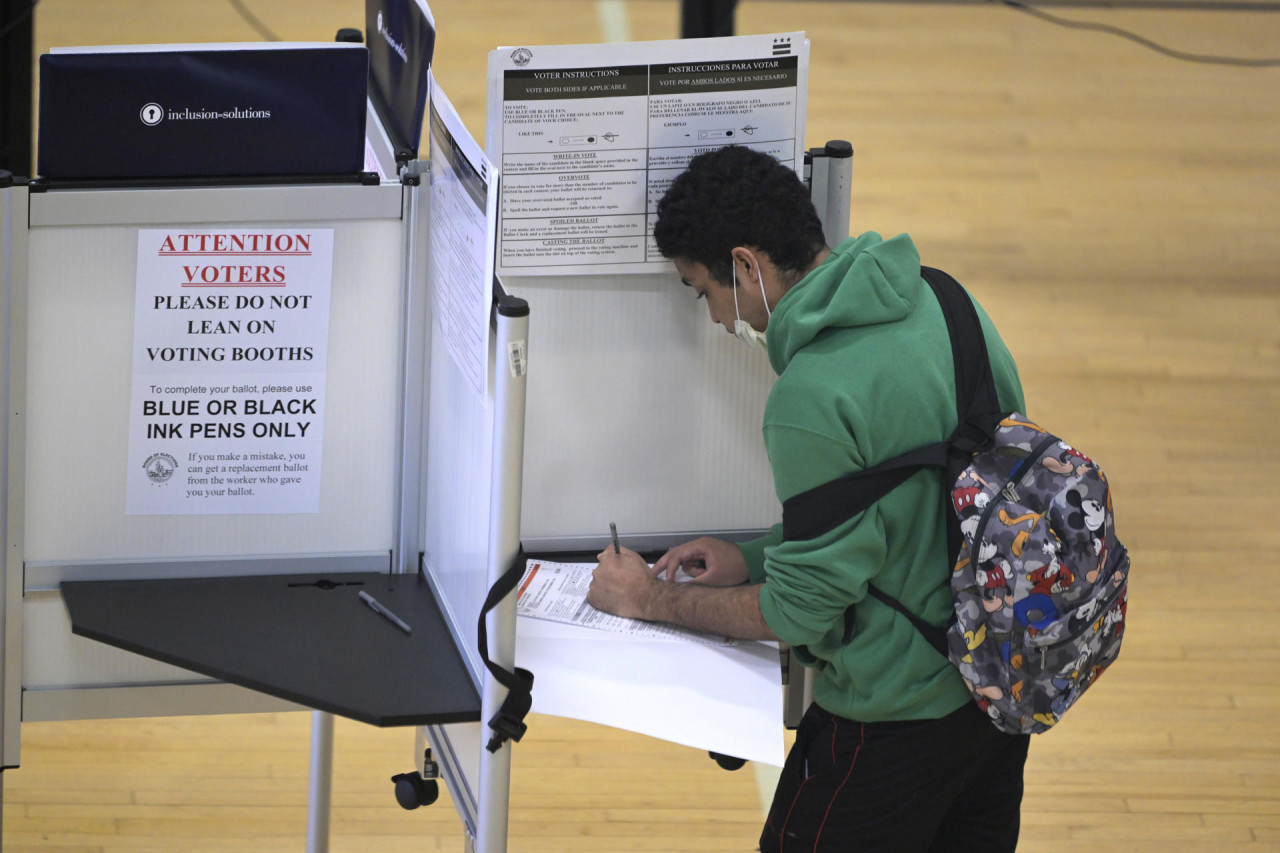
(557, 592)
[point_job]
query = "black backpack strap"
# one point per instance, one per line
(935, 634)
(822, 508)
(977, 404)
(508, 723)
(976, 398)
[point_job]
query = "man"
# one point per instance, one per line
(894, 755)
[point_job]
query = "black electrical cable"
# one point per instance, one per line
(1032, 8)
(252, 20)
(1147, 43)
(18, 19)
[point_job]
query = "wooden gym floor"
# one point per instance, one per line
(1118, 213)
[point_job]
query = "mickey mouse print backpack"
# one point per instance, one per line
(1039, 580)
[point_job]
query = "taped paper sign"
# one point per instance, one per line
(230, 346)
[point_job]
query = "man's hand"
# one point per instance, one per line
(709, 561)
(622, 584)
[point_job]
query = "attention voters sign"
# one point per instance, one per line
(230, 345)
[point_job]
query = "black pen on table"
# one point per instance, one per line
(613, 531)
(382, 610)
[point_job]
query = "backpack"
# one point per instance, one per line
(1039, 580)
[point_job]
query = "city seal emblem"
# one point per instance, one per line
(160, 467)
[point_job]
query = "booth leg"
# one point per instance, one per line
(319, 799)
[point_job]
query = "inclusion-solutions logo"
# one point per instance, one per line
(391, 42)
(151, 114)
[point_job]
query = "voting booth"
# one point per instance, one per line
(274, 438)
(220, 378)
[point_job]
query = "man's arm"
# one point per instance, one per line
(623, 584)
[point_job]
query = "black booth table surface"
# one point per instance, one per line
(307, 638)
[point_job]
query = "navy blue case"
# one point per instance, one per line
(191, 112)
(402, 39)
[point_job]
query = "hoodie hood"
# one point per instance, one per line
(865, 281)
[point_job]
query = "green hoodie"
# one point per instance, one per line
(864, 373)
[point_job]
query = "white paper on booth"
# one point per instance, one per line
(463, 222)
(230, 352)
(590, 136)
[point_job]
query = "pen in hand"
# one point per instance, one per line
(613, 531)
(383, 611)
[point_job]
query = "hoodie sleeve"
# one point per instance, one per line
(809, 584)
(753, 551)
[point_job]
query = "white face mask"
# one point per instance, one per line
(741, 328)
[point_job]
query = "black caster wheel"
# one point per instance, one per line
(728, 762)
(413, 791)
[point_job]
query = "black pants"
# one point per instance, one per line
(953, 784)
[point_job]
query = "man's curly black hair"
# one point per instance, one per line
(734, 196)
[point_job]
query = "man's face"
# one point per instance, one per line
(719, 296)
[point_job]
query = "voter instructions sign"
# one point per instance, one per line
(230, 345)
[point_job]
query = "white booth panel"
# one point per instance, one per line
(183, 699)
(455, 519)
(72, 678)
(640, 411)
(65, 660)
(80, 368)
